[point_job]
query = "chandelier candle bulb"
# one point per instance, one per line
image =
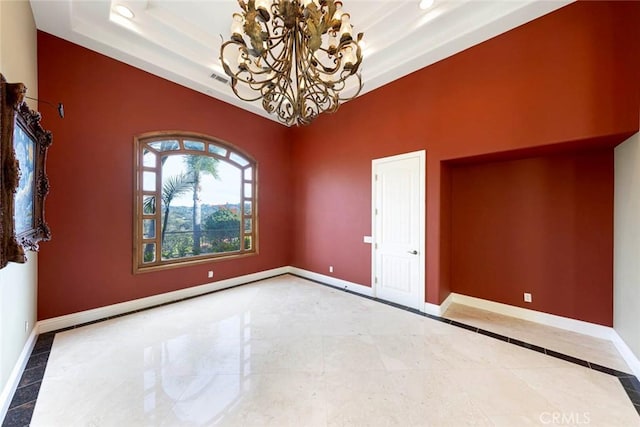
(236, 26)
(338, 14)
(297, 57)
(349, 57)
(345, 28)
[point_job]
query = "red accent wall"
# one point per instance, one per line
(541, 225)
(570, 76)
(87, 264)
(568, 79)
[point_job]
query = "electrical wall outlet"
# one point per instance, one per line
(527, 297)
(26, 326)
(210, 274)
(331, 269)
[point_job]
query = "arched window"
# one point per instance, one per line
(195, 199)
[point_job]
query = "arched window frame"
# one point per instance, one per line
(215, 148)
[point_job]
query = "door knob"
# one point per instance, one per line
(413, 252)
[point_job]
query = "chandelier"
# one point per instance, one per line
(298, 56)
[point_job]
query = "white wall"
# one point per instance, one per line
(18, 287)
(626, 276)
(18, 282)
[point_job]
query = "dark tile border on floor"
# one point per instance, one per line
(24, 399)
(629, 382)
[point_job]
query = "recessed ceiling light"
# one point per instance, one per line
(124, 11)
(426, 4)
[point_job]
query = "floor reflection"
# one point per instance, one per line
(190, 375)
(287, 352)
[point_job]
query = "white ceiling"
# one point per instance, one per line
(179, 40)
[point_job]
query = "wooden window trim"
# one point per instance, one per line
(230, 154)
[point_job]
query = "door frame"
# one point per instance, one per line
(422, 157)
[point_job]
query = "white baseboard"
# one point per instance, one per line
(74, 319)
(627, 354)
(573, 325)
(79, 318)
(433, 309)
(14, 378)
(579, 326)
(438, 310)
(332, 281)
(446, 303)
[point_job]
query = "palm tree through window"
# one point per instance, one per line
(195, 199)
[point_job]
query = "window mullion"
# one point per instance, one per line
(178, 246)
(158, 212)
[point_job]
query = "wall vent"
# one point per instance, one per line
(220, 79)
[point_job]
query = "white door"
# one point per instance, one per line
(398, 229)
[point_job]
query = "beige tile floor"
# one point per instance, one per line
(288, 352)
(591, 349)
